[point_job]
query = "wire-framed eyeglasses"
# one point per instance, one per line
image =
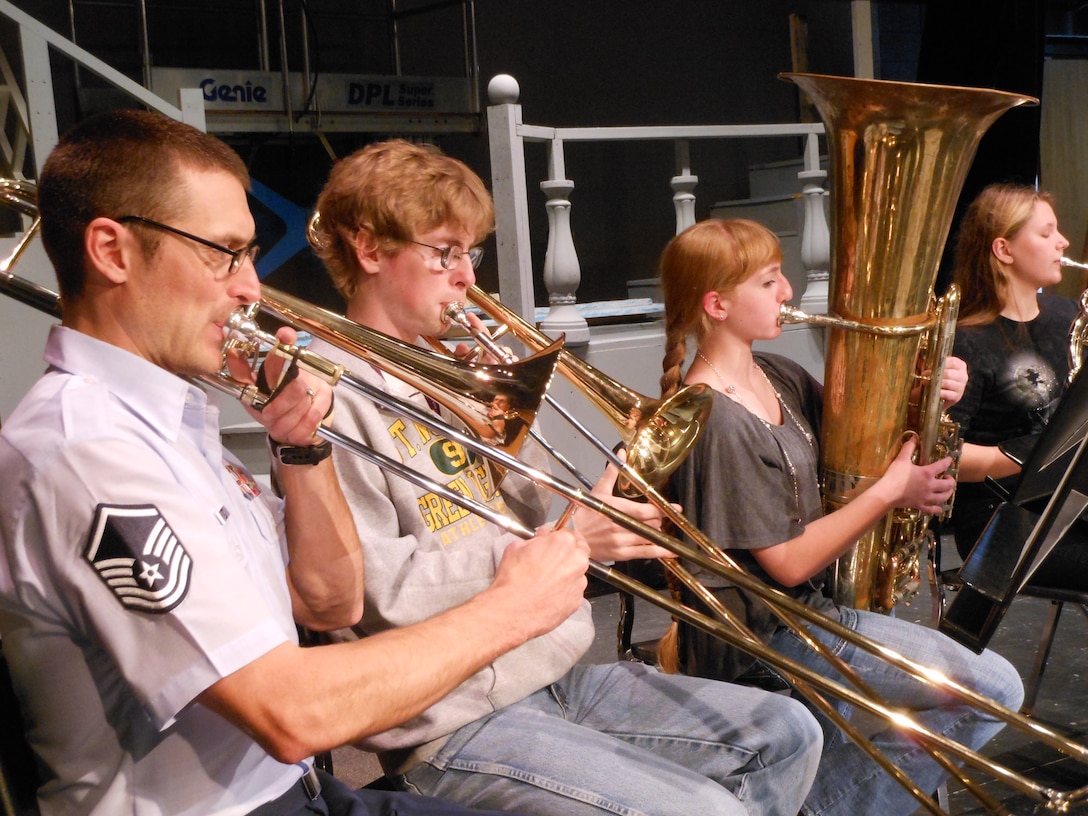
(450, 256)
(237, 256)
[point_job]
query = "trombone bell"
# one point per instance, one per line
(658, 434)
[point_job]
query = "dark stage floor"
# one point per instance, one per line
(1062, 701)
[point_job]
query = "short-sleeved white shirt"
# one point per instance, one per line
(139, 564)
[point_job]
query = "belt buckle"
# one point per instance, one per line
(311, 784)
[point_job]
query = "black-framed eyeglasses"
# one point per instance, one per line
(450, 256)
(237, 256)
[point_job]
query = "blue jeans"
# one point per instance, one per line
(337, 799)
(849, 781)
(625, 738)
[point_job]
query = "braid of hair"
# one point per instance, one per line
(672, 364)
(677, 328)
(668, 648)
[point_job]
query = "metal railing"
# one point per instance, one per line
(40, 123)
(508, 137)
(297, 93)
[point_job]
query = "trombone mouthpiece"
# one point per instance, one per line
(241, 332)
(313, 230)
(1071, 264)
(454, 312)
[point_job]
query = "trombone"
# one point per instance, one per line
(243, 329)
(789, 610)
(733, 632)
(660, 427)
(657, 434)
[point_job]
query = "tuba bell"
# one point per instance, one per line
(899, 154)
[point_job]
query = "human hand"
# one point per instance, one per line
(545, 577)
(608, 541)
(292, 417)
(954, 381)
(921, 487)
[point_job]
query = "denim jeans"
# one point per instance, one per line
(625, 738)
(849, 781)
(337, 799)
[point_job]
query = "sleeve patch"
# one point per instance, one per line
(139, 557)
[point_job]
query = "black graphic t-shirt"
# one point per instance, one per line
(1016, 375)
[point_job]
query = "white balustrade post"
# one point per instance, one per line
(815, 235)
(815, 243)
(803, 342)
(191, 102)
(562, 273)
(510, 191)
(683, 186)
(683, 200)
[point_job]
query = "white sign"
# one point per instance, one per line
(242, 91)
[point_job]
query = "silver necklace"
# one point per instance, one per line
(731, 390)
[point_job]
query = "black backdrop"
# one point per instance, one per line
(989, 44)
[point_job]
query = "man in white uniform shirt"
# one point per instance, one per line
(149, 588)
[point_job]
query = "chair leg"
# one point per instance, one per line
(626, 626)
(1031, 690)
(941, 795)
(936, 586)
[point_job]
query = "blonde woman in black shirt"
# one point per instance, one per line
(1015, 341)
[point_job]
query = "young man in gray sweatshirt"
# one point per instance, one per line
(398, 229)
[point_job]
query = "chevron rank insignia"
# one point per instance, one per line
(138, 556)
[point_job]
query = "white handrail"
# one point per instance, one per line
(15, 148)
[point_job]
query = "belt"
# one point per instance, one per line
(311, 785)
(298, 795)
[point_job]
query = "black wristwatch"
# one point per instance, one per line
(305, 455)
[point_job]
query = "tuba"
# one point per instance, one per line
(899, 154)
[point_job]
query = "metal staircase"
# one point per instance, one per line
(252, 71)
(14, 124)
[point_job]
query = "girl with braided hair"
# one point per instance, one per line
(750, 483)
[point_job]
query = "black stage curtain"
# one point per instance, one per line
(989, 44)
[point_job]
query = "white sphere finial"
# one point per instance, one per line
(503, 89)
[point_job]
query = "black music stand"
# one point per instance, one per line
(1052, 493)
